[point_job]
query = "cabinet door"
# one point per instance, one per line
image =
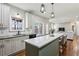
(0, 13)
(17, 45)
(5, 15)
(22, 43)
(1, 48)
(26, 20)
(30, 21)
(7, 50)
(13, 44)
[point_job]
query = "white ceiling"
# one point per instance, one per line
(60, 9)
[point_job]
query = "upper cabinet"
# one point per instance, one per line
(26, 20)
(29, 20)
(0, 14)
(5, 15)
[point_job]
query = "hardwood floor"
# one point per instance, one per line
(21, 53)
(72, 48)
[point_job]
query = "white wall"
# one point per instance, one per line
(77, 28)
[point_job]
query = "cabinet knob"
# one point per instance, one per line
(1, 46)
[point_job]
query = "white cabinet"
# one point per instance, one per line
(7, 50)
(18, 43)
(26, 20)
(47, 29)
(17, 46)
(5, 15)
(30, 20)
(1, 47)
(12, 45)
(0, 13)
(21, 42)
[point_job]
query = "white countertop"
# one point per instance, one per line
(43, 40)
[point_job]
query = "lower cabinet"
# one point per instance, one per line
(11, 46)
(14, 45)
(7, 47)
(1, 44)
(18, 44)
(22, 43)
(50, 49)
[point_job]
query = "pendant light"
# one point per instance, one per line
(52, 13)
(42, 9)
(18, 16)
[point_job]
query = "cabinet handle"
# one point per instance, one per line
(1, 46)
(7, 40)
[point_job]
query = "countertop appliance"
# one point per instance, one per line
(32, 36)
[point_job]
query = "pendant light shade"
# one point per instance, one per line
(42, 10)
(52, 15)
(18, 16)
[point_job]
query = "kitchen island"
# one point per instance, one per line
(47, 45)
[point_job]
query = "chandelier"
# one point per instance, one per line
(43, 10)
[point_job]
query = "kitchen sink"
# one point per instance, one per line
(19, 35)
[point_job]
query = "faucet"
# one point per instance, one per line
(18, 33)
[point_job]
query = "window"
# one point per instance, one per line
(16, 24)
(38, 28)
